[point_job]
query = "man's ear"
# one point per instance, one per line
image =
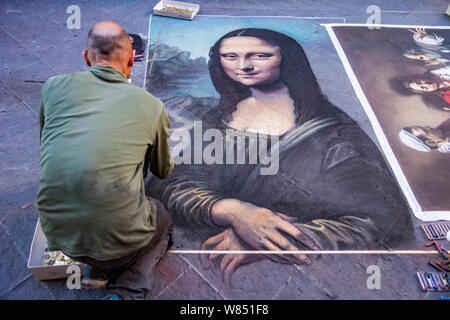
(131, 58)
(86, 57)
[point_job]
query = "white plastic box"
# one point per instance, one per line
(36, 259)
(158, 9)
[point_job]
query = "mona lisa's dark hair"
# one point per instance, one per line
(296, 74)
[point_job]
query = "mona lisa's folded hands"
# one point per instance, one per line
(262, 229)
(421, 32)
(227, 262)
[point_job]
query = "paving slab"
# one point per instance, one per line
(20, 224)
(19, 137)
(30, 289)
(167, 271)
(66, 58)
(27, 83)
(14, 55)
(13, 266)
(189, 286)
(28, 25)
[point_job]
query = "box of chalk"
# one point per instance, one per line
(176, 9)
(48, 265)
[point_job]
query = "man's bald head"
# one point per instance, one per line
(109, 45)
(107, 39)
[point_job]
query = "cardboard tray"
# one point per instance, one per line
(36, 258)
(158, 9)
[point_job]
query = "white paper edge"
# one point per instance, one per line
(147, 53)
(283, 17)
(395, 166)
(373, 26)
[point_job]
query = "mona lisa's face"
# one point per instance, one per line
(250, 61)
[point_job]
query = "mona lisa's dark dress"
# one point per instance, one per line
(331, 177)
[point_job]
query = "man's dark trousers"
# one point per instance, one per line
(133, 280)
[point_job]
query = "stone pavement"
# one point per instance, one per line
(36, 44)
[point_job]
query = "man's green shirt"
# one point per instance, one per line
(97, 130)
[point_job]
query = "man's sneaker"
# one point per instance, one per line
(94, 278)
(111, 296)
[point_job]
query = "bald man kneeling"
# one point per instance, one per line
(99, 136)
